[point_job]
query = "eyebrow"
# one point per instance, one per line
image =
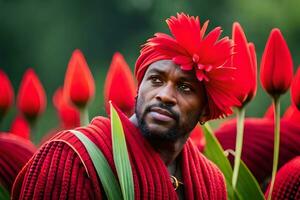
(157, 71)
(182, 78)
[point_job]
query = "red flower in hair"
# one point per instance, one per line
(120, 86)
(244, 60)
(20, 127)
(192, 50)
(6, 93)
(295, 90)
(79, 84)
(68, 114)
(276, 69)
(31, 97)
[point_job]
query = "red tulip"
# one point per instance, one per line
(79, 84)
(120, 86)
(292, 114)
(295, 90)
(244, 60)
(197, 136)
(253, 89)
(269, 114)
(20, 127)
(6, 93)
(287, 181)
(68, 114)
(31, 97)
(276, 70)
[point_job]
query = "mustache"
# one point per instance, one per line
(174, 114)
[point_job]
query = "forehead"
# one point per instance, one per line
(168, 67)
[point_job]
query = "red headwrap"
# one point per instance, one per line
(190, 50)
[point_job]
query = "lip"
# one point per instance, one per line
(161, 114)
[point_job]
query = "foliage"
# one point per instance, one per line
(247, 186)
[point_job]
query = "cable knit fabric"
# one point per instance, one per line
(287, 182)
(15, 151)
(62, 168)
(258, 143)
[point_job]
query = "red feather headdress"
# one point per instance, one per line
(191, 50)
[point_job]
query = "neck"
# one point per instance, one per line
(168, 150)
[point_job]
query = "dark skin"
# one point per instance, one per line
(169, 105)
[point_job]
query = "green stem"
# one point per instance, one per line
(33, 133)
(84, 116)
(33, 129)
(276, 143)
(238, 144)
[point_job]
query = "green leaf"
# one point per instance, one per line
(214, 152)
(4, 194)
(121, 157)
(109, 182)
(247, 186)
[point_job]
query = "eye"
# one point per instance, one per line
(186, 88)
(155, 80)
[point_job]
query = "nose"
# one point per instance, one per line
(166, 95)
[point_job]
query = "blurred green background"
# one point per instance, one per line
(43, 35)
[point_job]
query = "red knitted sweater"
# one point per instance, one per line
(56, 170)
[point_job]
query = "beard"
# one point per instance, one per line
(173, 132)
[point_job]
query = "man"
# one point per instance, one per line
(182, 80)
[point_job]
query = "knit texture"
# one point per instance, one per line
(15, 151)
(287, 182)
(57, 171)
(258, 144)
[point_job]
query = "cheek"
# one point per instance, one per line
(145, 94)
(141, 102)
(191, 112)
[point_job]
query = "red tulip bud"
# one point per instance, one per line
(269, 114)
(295, 90)
(68, 114)
(79, 84)
(276, 70)
(31, 97)
(120, 86)
(244, 60)
(253, 89)
(6, 93)
(292, 114)
(197, 136)
(20, 127)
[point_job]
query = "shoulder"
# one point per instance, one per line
(62, 167)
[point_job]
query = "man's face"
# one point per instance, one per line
(170, 101)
